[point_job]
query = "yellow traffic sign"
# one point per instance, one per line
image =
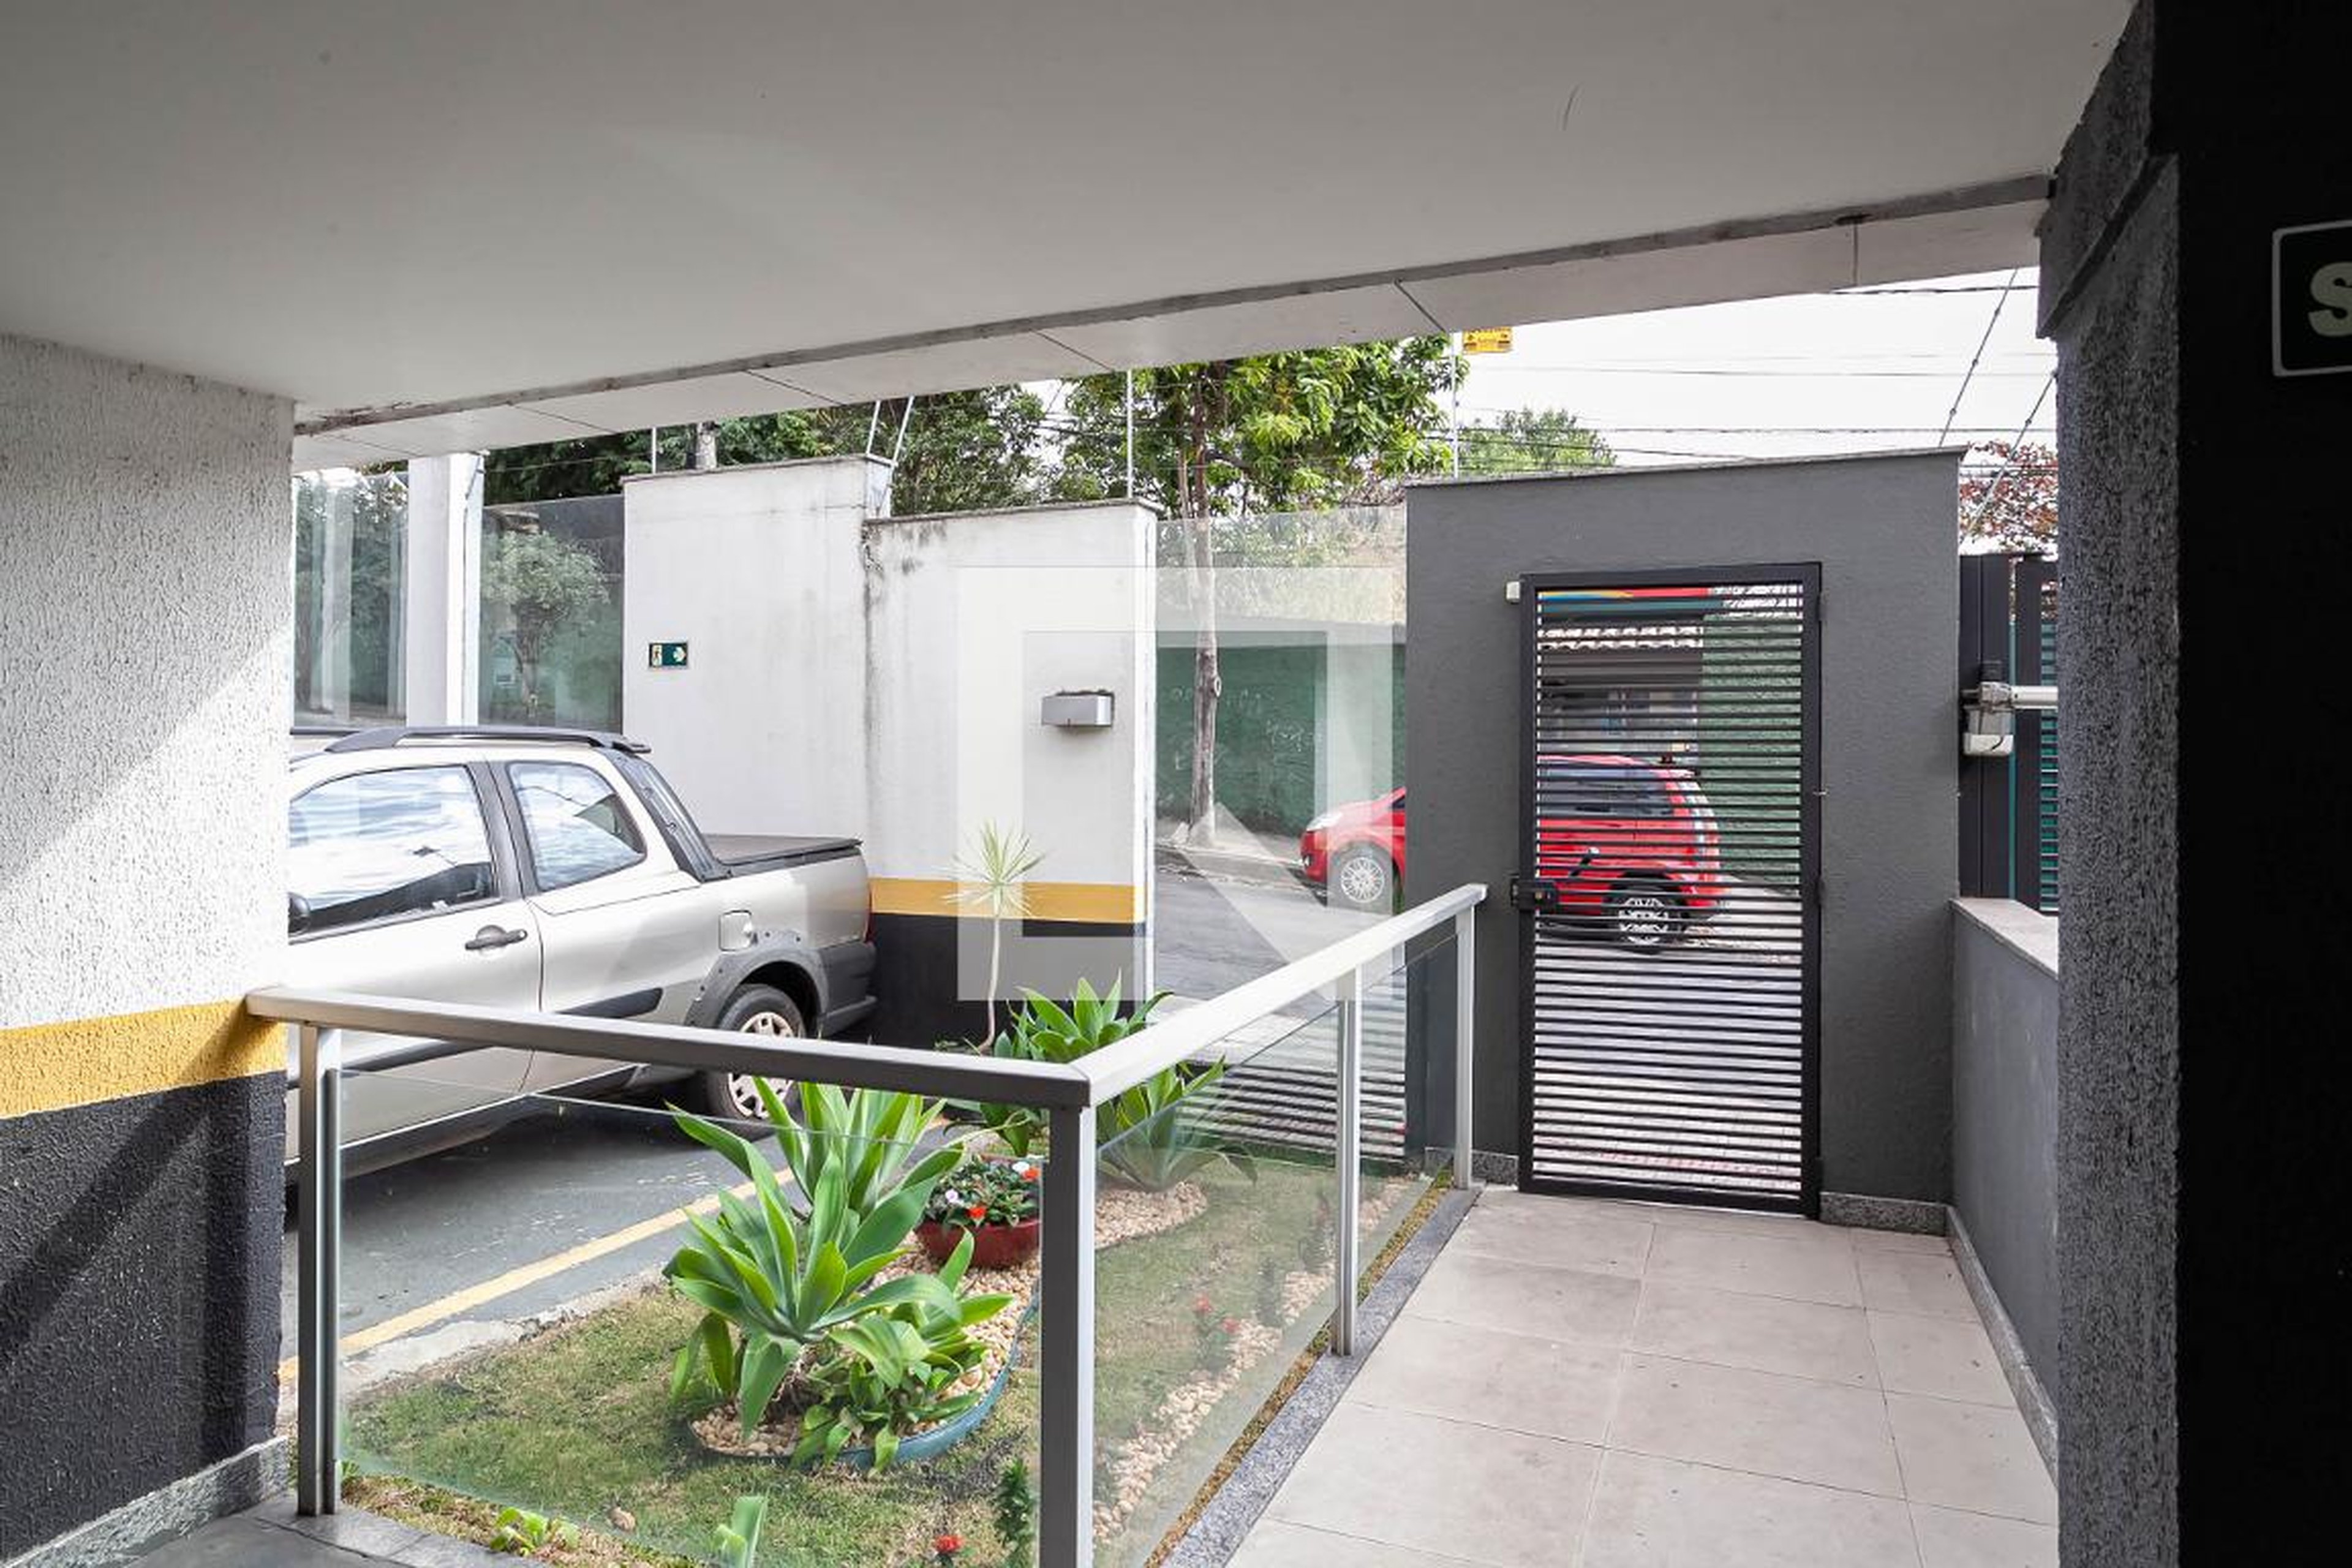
(1487, 341)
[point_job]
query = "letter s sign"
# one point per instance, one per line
(2332, 287)
(2311, 300)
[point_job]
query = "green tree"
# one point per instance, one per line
(1285, 431)
(1533, 441)
(544, 583)
(963, 451)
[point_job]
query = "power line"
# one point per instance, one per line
(1976, 358)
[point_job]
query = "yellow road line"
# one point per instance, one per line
(514, 1279)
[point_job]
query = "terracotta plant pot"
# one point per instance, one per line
(992, 1245)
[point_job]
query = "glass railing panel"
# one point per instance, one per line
(1215, 1233)
(1405, 1131)
(515, 1308)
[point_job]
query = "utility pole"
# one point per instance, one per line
(705, 445)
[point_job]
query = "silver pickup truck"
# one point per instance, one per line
(554, 871)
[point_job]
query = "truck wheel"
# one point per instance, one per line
(733, 1097)
(1645, 915)
(1362, 878)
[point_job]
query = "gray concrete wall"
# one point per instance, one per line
(2005, 1111)
(2119, 1037)
(146, 624)
(1882, 530)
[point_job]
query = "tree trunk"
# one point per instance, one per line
(705, 445)
(1208, 683)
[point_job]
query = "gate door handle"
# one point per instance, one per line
(491, 937)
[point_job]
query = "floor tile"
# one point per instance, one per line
(1914, 1282)
(1664, 1513)
(249, 1544)
(1527, 1298)
(1274, 1543)
(358, 1531)
(1863, 1239)
(1945, 1358)
(1949, 1539)
(1803, 1266)
(1764, 1333)
(1438, 1486)
(1551, 1388)
(1979, 1457)
(1564, 1237)
(1796, 1428)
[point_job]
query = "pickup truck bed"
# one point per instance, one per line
(744, 853)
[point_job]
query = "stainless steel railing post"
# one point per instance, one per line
(1465, 1038)
(1346, 1264)
(1065, 1479)
(319, 1269)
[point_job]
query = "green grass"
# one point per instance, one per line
(578, 1422)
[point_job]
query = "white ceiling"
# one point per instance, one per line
(618, 213)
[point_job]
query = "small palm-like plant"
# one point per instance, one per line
(991, 880)
(886, 1374)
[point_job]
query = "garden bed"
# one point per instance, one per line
(577, 1422)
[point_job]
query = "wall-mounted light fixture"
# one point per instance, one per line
(1077, 710)
(1989, 712)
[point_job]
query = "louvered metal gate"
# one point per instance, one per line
(1671, 933)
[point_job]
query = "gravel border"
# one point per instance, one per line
(1218, 1533)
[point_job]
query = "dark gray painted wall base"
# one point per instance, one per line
(1882, 1214)
(140, 1247)
(2033, 1399)
(141, 1525)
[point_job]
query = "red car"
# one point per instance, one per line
(1623, 845)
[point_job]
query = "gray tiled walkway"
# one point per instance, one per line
(1619, 1385)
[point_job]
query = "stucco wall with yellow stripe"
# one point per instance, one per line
(50, 1066)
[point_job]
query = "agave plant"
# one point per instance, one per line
(773, 1281)
(739, 1537)
(1148, 1138)
(1043, 1031)
(870, 1135)
(885, 1375)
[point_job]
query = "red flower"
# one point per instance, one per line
(976, 1211)
(946, 1545)
(1231, 1325)
(1030, 1175)
(1200, 1305)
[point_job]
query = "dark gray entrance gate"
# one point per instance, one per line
(1668, 886)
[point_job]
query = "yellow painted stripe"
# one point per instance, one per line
(1112, 903)
(514, 1279)
(53, 1066)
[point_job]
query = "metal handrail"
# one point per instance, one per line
(1069, 1093)
(440, 1029)
(1183, 1036)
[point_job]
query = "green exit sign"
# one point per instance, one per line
(666, 655)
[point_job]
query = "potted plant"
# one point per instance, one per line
(994, 1202)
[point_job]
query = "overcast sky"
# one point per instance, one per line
(1816, 373)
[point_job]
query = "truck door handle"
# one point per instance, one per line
(490, 937)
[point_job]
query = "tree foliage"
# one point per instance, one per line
(2009, 497)
(1533, 441)
(963, 450)
(1284, 432)
(544, 583)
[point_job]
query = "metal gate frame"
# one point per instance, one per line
(1808, 575)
